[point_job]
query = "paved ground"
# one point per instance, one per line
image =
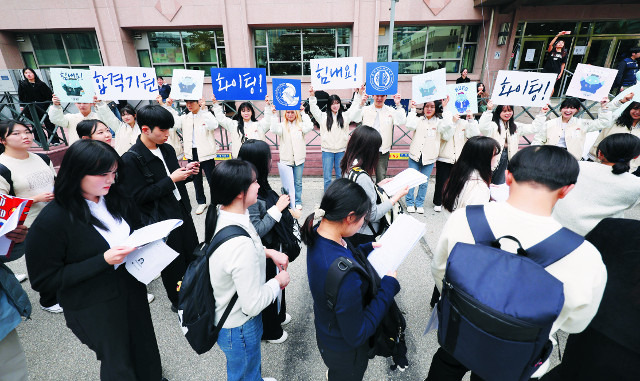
(54, 353)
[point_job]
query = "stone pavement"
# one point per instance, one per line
(54, 353)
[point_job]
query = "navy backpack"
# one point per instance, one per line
(497, 308)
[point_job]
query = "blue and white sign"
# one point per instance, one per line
(337, 73)
(248, 84)
(187, 84)
(463, 97)
(286, 93)
(382, 78)
(429, 86)
(72, 85)
(591, 82)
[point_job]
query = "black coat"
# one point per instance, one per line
(34, 92)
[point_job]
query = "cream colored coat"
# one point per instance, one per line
(199, 127)
(293, 148)
(388, 118)
(614, 129)
(490, 128)
(427, 134)
(252, 130)
(335, 140)
(450, 149)
(474, 192)
(126, 135)
(68, 121)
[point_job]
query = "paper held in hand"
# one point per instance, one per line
(13, 212)
(397, 242)
(286, 177)
(409, 177)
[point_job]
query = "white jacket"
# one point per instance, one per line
(427, 134)
(126, 135)
(198, 131)
(388, 117)
(474, 192)
(614, 129)
(334, 141)
(293, 148)
(68, 121)
(489, 128)
(252, 130)
(450, 149)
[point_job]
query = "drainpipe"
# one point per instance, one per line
(392, 20)
(485, 64)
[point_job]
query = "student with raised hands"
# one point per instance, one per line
(428, 130)
(334, 130)
(293, 148)
(500, 125)
(70, 121)
(244, 124)
(126, 130)
(175, 137)
(568, 131)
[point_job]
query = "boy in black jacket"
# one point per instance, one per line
(154, 179)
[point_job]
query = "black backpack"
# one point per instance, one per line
(282, 233)
(196, 303)
(6, 172)
(389, 339)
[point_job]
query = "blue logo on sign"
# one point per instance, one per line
(382, 78)
(286, 93)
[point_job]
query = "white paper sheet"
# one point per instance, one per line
(151, 233)
(409, 177)
(397, 242)
(286, 177)
(147, 262)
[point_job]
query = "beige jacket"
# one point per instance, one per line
(614, 129)
(427, 134)
(293, 148)
(474, 192)
(335, 140)
(69, 121)
(126, 135)
(450, 149)
(490, 128)
(200, 129)
(252, 130)
(388, 118)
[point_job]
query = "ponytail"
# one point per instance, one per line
(620, 149)
(621, 167)
(307, 230)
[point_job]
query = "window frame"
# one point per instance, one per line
(68, 65)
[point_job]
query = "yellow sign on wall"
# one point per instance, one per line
(398, 155)
(223, 156)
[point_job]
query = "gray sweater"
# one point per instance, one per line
(377, 210)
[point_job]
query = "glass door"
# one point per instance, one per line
(598, 54)
(532, 53)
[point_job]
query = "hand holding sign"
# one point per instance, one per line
(430, 86)
(516, 88)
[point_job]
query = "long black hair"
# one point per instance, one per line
(35, 75)
(510, 124)
(339, 120)
(88, 157)
(620, 149)
(342, 198)
(238, 118)
(6, 128)
(438, 105)
(363, 148)
(87, 127)
(229, 179)
(625, 118)
(258, 153)
(476, 155)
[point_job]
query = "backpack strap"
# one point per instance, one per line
(144, 168)
(338, 270)
(6, 173)
(555, 247)
(479, 225)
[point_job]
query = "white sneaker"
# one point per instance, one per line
(438, 208)
(55, 309)
(420, 210)
(299, 206)
(287, 319)
(411, 209)
(268, 379)
(201, 208)
(150, 298)
(21, 277)
(281, 340)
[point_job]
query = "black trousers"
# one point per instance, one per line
(498, 176)
(345, 366)
(443, 170)
(271, 319)
(184, 240)
(207, 168)
(120, 332)
(445, 368)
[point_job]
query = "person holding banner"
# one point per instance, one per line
(569, 132)
(501, 126)
(382, 118)
(127, 130)
(70, 121)
(293, 148)
(334, 130)
(73, 247)
(429, 130)
(244, 125)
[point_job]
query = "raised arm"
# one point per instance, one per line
(56, 115)
(264, 124)
(307, 124)
(605, 118)
(447, 125)
(399, 114)
(224, 121)
(107, 116)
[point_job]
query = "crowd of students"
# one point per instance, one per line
(106, 188)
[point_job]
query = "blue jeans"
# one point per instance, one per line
(297, 181)
(241, 346)
(331, 161)
(422, 189)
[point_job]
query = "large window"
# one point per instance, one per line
(65, 49)
(420, 49)
(194, 50)
(288, 51)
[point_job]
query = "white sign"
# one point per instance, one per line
(72, 85)
(636, 98)
(519, 88)
(591, 82)
(337, 73)
(531, 53)
(119, 83)
(187, 84)
(396, 243)
(6, 81)
(463, 97)
(430, 86)
(286, 177)
(580, 50)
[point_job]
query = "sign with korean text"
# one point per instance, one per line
(463, 97)
(430, 86)
(520, 88)
(591, 82)
(382, 78)
(286, 93)
(72, 85)
(239, 83)
(187, 84)
(337, 73)
(119, 83)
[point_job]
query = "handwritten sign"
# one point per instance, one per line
(430, 86)
(187, 84)
(463, 97)
(519, 88)
(337, 73)
(239, 83)
(636, 98)
(382, 78)
(591, 82)
(286, 93)
(72, 85)
(116, 83)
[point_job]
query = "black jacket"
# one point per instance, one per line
(34, 92)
